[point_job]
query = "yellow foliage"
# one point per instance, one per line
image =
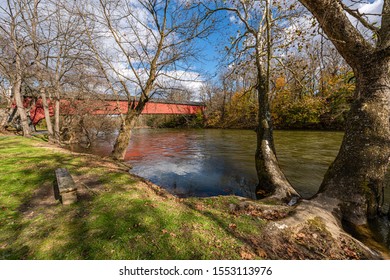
(280, 83)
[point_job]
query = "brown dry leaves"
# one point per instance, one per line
(261, 211)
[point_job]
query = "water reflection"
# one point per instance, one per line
(213, 162)
(199, 162)
(193, 162)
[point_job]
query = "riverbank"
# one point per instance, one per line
(122, 216)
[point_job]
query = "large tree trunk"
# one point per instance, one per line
(357, 176)
(355, 180)
(272, 182)
(20, 106)
(122, 142)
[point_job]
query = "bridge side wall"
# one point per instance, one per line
(99, 107)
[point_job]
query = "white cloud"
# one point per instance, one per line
(371, 12)
(189, 80)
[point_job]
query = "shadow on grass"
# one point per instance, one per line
(251, 241)
(26, 183)
(111, 231)
(107, 226)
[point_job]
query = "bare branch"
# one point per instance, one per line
(347, 39)
(359, 16)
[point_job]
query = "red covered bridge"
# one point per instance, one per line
(111, 106)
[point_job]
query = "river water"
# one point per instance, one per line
(217, 162)
(208, 162)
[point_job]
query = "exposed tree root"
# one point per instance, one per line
(312, 231)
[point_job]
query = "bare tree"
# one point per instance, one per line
(255, 42)
(355, 180)
(13, 26)
(46, 48)
(144, 41)
(38, 33)
(67, 58)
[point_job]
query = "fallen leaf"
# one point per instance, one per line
(232, 226)
(246, 255)
(150, 205)
(199, 207)
(261, 253)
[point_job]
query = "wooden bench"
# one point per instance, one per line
(65, 188)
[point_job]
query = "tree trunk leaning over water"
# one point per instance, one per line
(127, 124)
(357, 176)
(257, 27)
(272, 181)
(124, 136)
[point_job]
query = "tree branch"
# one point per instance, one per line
(356, 14)
(336, 25)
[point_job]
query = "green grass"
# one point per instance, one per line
(116, 217)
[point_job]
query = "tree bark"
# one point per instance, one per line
(122, 142)
(357, 176)
(57, 119)
(47, 114)
(20, 106)
(272, 182)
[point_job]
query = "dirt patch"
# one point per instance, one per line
(87, 186)
(40, 198)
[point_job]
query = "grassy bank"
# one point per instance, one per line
(118, 216)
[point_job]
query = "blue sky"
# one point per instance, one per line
(213, 46)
